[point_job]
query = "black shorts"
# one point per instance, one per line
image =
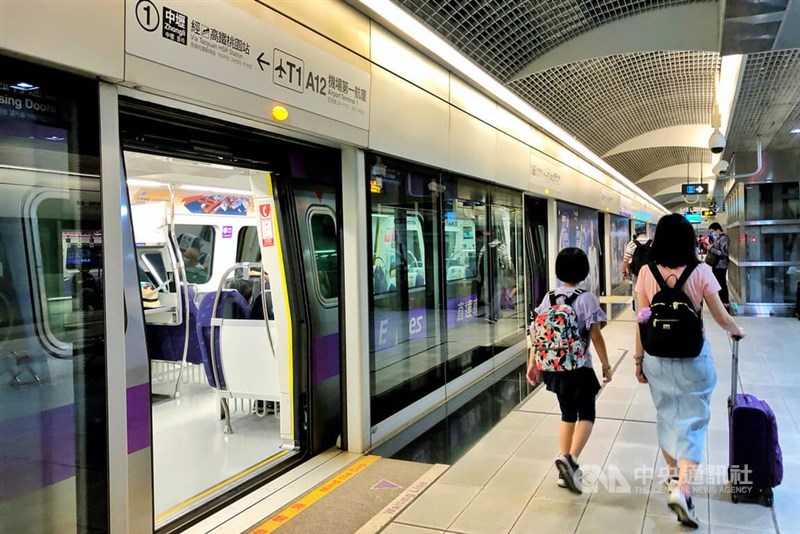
(576, 392)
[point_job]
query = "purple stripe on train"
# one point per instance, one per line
(37, 450)
(389, 326)
(138, 398)
(326, 357)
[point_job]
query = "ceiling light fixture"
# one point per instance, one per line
(24, 86)
(207, 189)
(393, 15)
(145, 183)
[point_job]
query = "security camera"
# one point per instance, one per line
(721, 168)
(716, 143)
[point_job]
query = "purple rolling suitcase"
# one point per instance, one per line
(755, 458)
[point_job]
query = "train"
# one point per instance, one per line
(210, 274)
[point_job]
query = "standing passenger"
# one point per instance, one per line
(681, 386)
(720, 262)
(637, 252)
(576, 389)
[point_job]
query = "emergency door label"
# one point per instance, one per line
(267, 229)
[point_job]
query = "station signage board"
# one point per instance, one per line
(694, 189)
(240, 44)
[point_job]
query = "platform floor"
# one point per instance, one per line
(507, 482)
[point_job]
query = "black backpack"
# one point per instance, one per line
(641, 256)
(675, 328)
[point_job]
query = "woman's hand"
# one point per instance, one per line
(737, 332)
(640, 374)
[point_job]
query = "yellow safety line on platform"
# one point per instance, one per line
(279, 519)
(225, 482)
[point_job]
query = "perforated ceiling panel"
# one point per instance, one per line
(503, 36)
(606, 101)
(636, 164)
(768, 103)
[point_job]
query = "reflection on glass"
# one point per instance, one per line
(406, 339)
(780, 242)
(620, 236)
(776, 285)
(578, 228)
(53, 432)
(772, 201)
(323, 237)
(504, 245)
(468, 328)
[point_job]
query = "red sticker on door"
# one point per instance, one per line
(267, 229)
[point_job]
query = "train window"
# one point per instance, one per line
(247, 246)
(197, 246)
(323, 237)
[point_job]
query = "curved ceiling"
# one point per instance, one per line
(606, 102)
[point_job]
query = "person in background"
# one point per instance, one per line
(720, 265)
(629, 272)
(502, 266)
(681, 387)
(576, 389)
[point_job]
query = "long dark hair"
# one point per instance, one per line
(674, 243)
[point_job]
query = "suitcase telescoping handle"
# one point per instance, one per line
(735, 368)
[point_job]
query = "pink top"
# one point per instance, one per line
(701, 282)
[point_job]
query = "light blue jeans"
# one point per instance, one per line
(681, 390)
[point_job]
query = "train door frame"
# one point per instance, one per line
(536, 211)
(128, 482)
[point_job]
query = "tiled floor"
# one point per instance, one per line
(506, 483)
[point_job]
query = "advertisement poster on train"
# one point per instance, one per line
(577, 227)
(248, 46)
(197, 203)
(620, 236)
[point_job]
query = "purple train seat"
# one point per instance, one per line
(232, 305)
(165, 342)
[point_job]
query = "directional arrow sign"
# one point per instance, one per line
(693, 189)
(261, 61)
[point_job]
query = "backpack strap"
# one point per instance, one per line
(570, 300)
(657, 275)
(687, 272)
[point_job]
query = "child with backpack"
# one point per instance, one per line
(566, 320)
(673, 356)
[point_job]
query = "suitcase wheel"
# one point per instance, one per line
(734, 498)
(768, 498)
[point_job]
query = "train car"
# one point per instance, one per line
(210, 274)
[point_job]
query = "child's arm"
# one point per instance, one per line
(533, 373)
(602, 353)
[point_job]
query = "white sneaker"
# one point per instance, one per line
(571, 475)
(669, 484)
(683, 508)
(561, 482)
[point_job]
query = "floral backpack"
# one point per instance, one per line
(556, 339)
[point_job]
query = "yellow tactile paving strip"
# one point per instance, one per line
(274, 522)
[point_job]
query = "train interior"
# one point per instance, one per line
(207, 304)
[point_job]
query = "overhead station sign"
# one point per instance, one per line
(694, 189)
(232, 45)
